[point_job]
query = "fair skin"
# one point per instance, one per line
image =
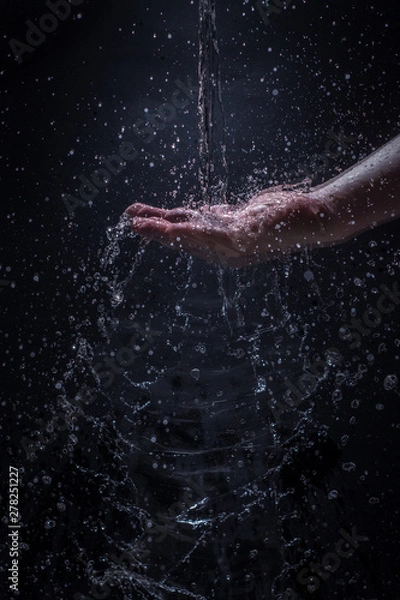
(277, 221)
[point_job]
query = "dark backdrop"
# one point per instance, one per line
(316, 72)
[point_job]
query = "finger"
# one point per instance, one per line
(144, 210)
(174, 215)
(179, 215)
(150, 228)
(190, 237)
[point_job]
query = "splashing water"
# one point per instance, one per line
(116, 235)
(194, 467)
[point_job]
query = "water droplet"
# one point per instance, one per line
(333, 358)
(309, 275)
(116, 299)
(337, 396)
(374, 500)
(348, 466)
(50, 523)
(261, 385)
(390, 382)
(195, 373)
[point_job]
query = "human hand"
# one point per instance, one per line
(275, 221)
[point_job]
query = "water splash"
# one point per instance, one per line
(116, 235)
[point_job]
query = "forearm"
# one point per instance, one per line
(364, 195)
(280, 220)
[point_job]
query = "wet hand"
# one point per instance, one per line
(274, 222)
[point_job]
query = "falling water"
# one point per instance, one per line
(213, 168)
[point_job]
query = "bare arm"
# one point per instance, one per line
(367, 194)
(277, 220)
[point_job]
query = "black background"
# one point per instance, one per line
(335, 67)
